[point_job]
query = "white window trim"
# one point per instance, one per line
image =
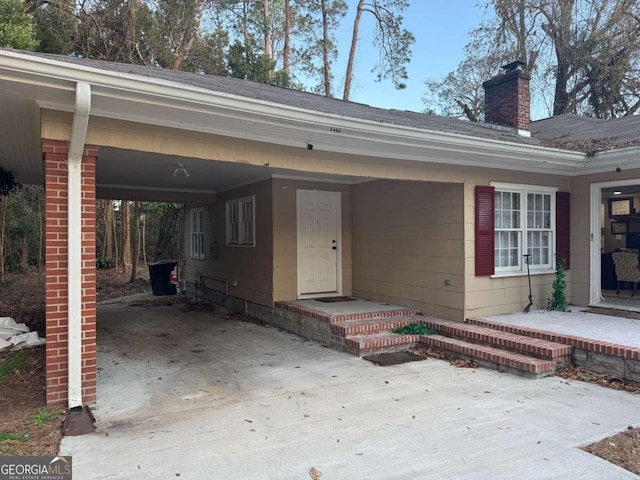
(240, 233)
(197, 247)
(524, 189)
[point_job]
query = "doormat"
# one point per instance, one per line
(334, 299)
(614, 312)
(393, 358)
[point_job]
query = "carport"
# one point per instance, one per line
(91, 129)
(87, 132)
(98, 130)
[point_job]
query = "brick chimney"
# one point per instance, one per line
(507, 101)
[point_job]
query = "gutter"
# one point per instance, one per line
(74, 232)
(284, 124)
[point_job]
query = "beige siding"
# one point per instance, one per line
(246, 271)
(412, 231)
(490, 296)
(407, 241)
(285, 234)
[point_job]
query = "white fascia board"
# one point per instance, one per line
(409, 143)
(610, 160)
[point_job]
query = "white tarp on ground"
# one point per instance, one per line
(16, 336)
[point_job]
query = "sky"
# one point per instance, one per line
(440, 28)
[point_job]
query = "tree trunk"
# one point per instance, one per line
(135, 243)
(326, 64)
(352, 52)
(40, 231)
(107, 250)
(144, 239)
(125, 237)
(24, 252)
(560, 32)
(287, 31)
(267, 30)
(116, 253)
(3, 223)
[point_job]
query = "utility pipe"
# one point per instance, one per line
(74, 234)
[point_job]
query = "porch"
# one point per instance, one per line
(532, 345)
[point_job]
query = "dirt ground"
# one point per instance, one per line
(27, 427)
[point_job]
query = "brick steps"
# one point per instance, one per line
(513, 342)
(491, 347)
(490, 357)
(378, 342)
(527, 351)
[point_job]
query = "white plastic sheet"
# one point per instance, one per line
(16, 336)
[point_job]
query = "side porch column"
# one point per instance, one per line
(55, 156)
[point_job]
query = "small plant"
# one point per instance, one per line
(558, 300)
(12, 363)
(43, 416)
(105, 263)
(12, 436)
(415, 329)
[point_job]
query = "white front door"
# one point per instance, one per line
(318, 242)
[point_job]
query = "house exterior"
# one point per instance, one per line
(291, 195)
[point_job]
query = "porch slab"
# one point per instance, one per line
(578, 323)
(358, 309)
(194, 394)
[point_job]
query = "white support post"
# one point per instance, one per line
(74, 232)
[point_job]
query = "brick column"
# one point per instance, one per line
(55, 166)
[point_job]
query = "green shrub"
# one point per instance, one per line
(415, 329)
(105, 263)
(558, 300)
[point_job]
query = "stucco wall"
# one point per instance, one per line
(245, 271)
(407, 242)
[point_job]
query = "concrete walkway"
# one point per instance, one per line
(623, 331)
(194, 395)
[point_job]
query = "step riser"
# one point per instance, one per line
(382, 315)
(386, 325)
(367, 346)
(560, 353)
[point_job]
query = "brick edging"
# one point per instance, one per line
(329, 318)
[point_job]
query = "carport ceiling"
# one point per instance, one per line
(123, 170)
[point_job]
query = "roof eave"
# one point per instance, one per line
(126, 97)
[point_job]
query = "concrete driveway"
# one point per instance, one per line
(195, 395)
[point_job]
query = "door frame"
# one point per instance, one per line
(338, 220)
(595, 226)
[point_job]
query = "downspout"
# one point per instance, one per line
(74, 233)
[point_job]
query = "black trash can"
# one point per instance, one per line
(160, 275)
